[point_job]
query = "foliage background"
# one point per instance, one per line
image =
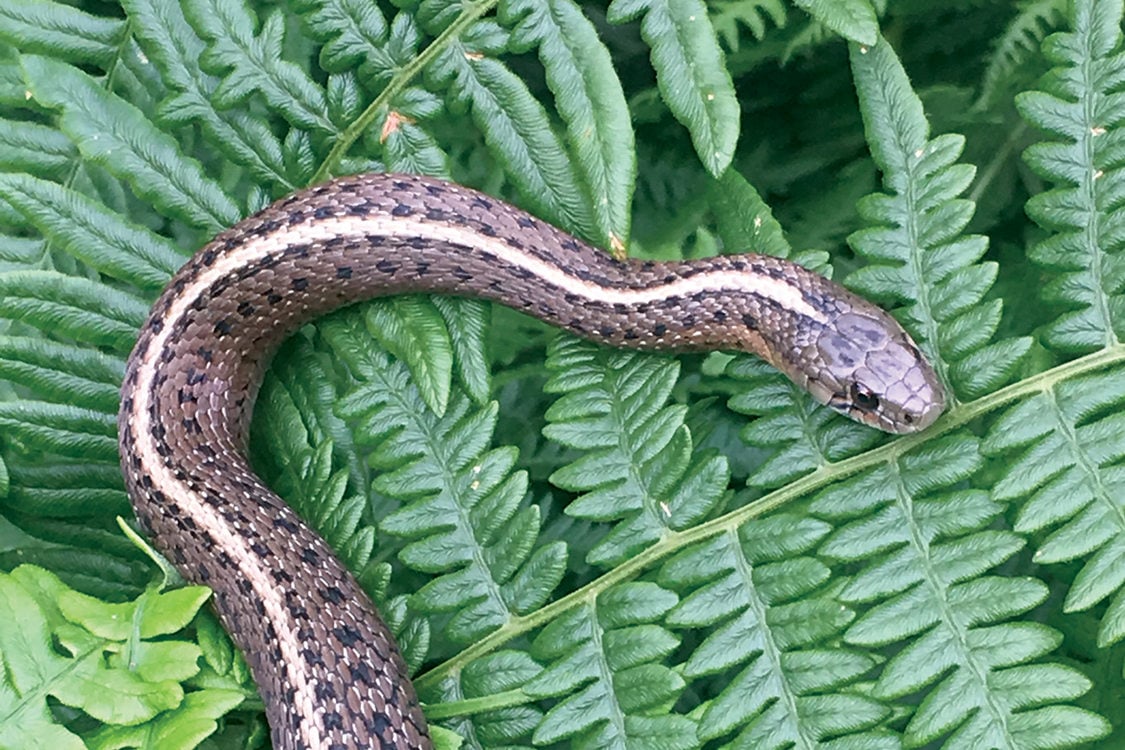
(580, 547)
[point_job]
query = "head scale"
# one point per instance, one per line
(867, 367)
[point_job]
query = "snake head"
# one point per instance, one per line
(869, 369)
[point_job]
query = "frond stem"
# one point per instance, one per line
(1001, 158)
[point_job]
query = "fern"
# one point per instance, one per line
(729, 17)
(1064, 467)
(560, 535)
(636, 451)
(467, 521)
(754, 583)
(603, 658)
(1017, 49)
(1078, 104)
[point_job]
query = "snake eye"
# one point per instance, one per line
(864, 399)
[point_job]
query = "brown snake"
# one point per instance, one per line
(328, 669)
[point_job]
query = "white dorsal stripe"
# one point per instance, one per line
(787, 295)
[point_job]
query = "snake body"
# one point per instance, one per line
(327, 667)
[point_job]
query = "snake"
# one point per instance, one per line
(329, 672)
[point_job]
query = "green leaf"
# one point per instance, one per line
(118, 677)
(638, 466)
(194, 720)
(1016, 59)
(115, 135)
(62, 31)
(412, 329)
(582, 647)
(59, 428)
(92, 233)
(729, 18)
(839, 589)
(461, 500)
(925, 553)
(61, 372)
(249, 60)
(1062, 464)
(352, 31)
(516, 129)
(750, 589)
(172, 45)
(854, 20)
(745, 222)
(85, 311)
(37, 149)
(591, 102)
(689, 71)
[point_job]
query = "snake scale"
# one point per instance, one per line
(327, 667)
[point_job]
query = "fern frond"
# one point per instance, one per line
(62, 31)
(917, 252)
(780, 682)
(61, 372)
(465, 519)
(925, 552)
(92, 233)
(432, 337)
(249, 59)
(638, 465)
(1077, 104)
(116, 136)
(854, 20)
(729, 16)
(498, 674)
(60, 429)
(1017, 48)
(85, 311)
(604, 658)
(172, 45)
(591, 102)
(353, 33)
(303, 472)
(1063, 449)
(886, 606)
(41, 491)
(515, 127)
(35, 149)
(19, 252)
(1060, 463)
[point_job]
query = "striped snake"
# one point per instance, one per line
(327, 667)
